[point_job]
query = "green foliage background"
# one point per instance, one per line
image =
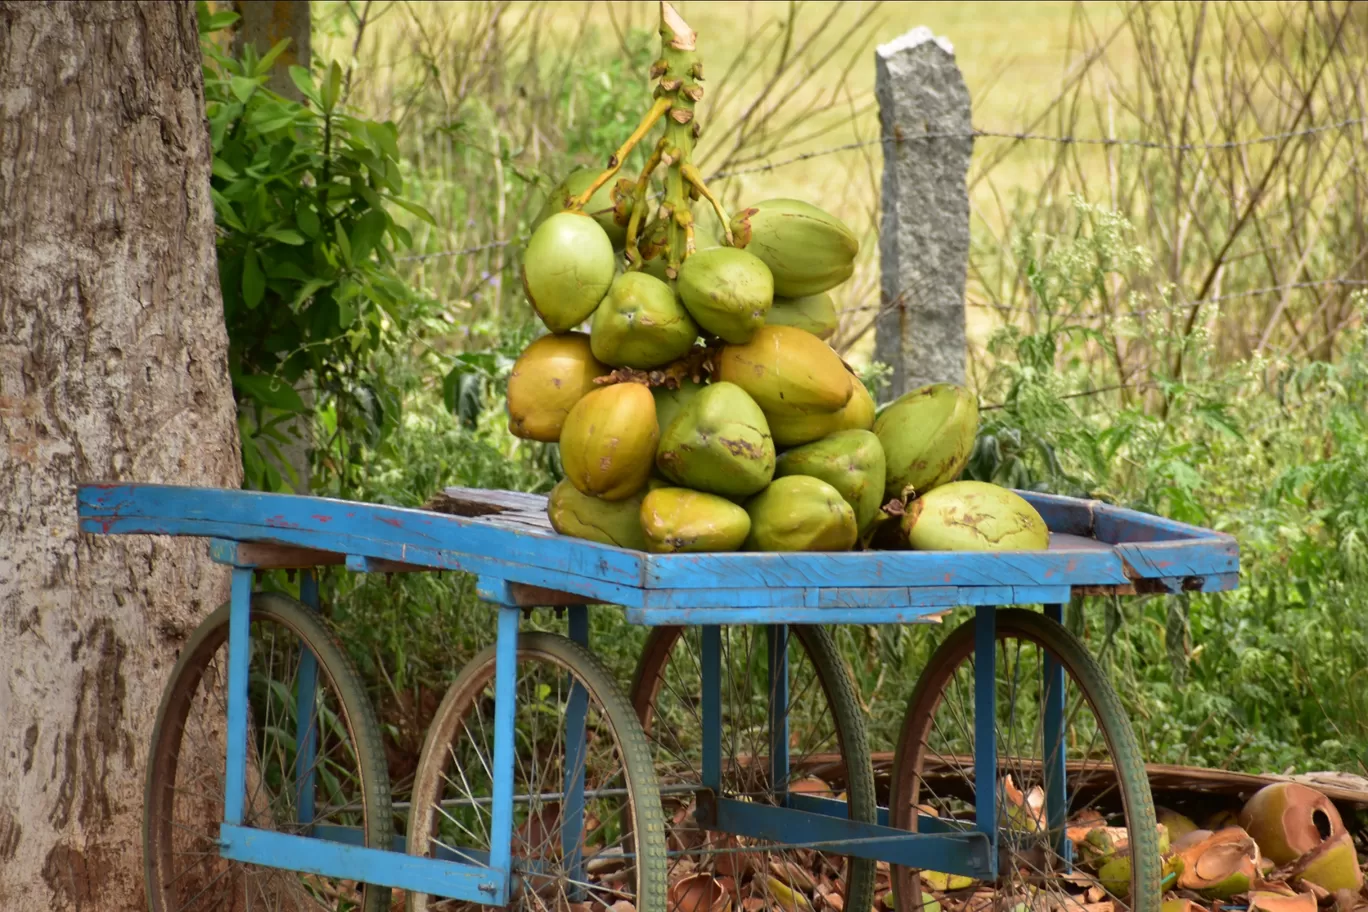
(335, 281)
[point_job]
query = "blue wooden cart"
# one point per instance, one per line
(546, 784)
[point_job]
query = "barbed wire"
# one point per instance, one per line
(1042, 137)
(973, 134)
(492, 245)
(1176, 306)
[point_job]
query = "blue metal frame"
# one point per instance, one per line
(306, 729)
(1093, 545)
(777, 636)
(711, 672)
(505, 706)
(1056, 801)
(239, 630)
(572, 819)
(985, 728)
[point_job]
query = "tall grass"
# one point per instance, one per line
(1178, 327)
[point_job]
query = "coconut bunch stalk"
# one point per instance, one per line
(687, 379)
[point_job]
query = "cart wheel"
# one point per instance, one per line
(933, 768)
(185, 771)
(620, 850)
(826, 739)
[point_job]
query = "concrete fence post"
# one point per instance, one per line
(924, 233)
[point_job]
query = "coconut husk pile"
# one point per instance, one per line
(1286, 850)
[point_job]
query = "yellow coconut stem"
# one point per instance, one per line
(692, 175)
(643, 184)
(657, 111)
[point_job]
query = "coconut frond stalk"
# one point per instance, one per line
(679, 75)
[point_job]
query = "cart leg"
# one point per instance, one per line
(985, 725)
(1056, 801)
(505, 706)
(306, 731)
(711, 661)
(572, 821)
(239, 628)
(778, 713)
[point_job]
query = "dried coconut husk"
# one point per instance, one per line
(1083, 823)
(1189, 839)
(699, 893)
(1182, 905)
(812, 785)
(1178, 825)
(1220, 866)
(1288, 819)
(1268, 901)
(1332, 865)
(1025, 809)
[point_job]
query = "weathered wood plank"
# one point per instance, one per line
(1068, 515)
(592, 588)
(881, 569)
(515, 546)
(1192, 557)
(349, 528)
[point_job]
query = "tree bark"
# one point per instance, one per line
(113, 366)
(266, 22)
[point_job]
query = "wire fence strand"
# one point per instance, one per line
(975, 134)
(909, 137)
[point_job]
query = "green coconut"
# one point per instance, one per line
(973, 516)
(680, 519)
(927, 435)
(718, 442)
(609, 522)
(800, 513)
(568, 267)
(852, 462)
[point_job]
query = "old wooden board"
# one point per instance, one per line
(504, 535)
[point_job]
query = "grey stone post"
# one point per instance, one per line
(924, 235)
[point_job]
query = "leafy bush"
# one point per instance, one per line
(304, 197)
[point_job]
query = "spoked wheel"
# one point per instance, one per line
(344, 785)
(825, 726)
(1039, 869)
(608, 850)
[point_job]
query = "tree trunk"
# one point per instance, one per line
(112, 367)
(266, 22)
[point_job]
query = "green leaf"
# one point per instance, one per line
(303, 81)
(271, 392)
(414, 208)
(344, 245)
(285, 236)
(329, 96)
(264, 65)
(307, 220)
(244, 87)
(385, 137)
(253, 280)
(222, 169)
(310, 288)
(367, 232)
(214, 22)
(346, 313)
(223, 209)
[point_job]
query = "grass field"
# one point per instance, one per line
(1013, 56)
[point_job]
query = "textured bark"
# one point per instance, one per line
(266, 22)
(112, 367)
